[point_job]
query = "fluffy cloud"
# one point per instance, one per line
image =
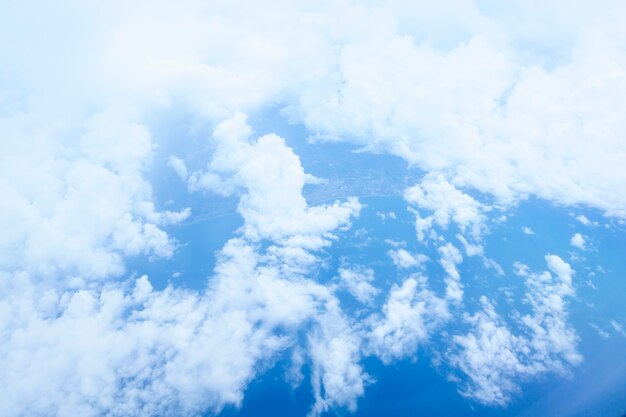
(178, 165)
(491, 104)
(450, 258)
(337, 377)
(411, 313)
(475, 249)
(136, 351)
(494, 358)
(266, 167)
(485, 116)
(468, 95)
(75, 207)
(358, 282)
(448, 204)
(489, 356)
(404, 259)
(578, 241)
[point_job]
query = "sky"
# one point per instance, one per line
(312, 209)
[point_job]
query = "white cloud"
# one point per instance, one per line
(482, 114)
(76, 209)
(358, 282)
(495, 359)
(178, 165)
(448, 204)
(527, 230)
(584, 220)
(450, 258)
(117, 349)
(313, 180)
(601, 332)
(404, 259)
(618, 327)
(143, 352)
(395, 244)
(413, 311)
(384, 216)
(273, 205)
(489, 356)
(337, 378)
(410, 314)
(471, 249)
(468, 95)
(478, 250)
(508, 108)
(578, 241)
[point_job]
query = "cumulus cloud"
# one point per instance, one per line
(583, 219)
(468, 96)
(410, 314)
(503, 125)
(138, 351)
(405, 259)
(337, 377)
(578, 241)
(413, 311)
(132, 350)
(448, 204)
(178, 165)
(494, 358)
(72, 211)
(384, 216)
(489, 356)
(266, 167)
(450, 258)
(358, 282)
(493, 105)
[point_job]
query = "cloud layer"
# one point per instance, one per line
(492, 104)
(123, 348)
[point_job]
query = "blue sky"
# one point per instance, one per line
(346, 208)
